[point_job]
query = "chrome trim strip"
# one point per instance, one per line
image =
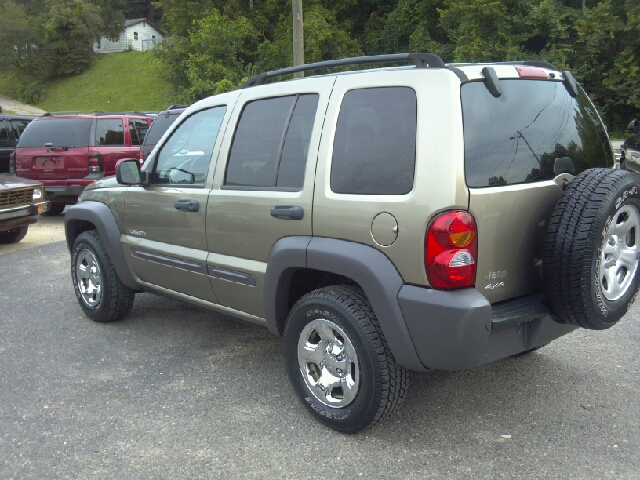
(232, 276)
(170, 261)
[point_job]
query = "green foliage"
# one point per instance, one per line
(32, 93)
(70, 29)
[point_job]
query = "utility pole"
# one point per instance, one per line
(298, 37)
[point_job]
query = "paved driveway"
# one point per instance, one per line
(174, 392)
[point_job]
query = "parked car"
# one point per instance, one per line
(630, 159)
(21, 201)
(425, 217)
(68, 152)
(11, 127)
(159, 126)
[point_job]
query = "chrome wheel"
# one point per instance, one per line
(620, 252)
(89, 278)
(328, 363)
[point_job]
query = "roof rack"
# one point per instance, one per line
(92, 112)
(528, 63)
(176, 106)
(421, 60)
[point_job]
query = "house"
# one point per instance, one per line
(139, 34)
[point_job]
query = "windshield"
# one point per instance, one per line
(517, 137)
(60, 132)
(160, 125)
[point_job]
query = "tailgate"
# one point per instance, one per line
(52, 164)
(519, 147)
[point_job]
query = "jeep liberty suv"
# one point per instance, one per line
(416, 217)
(68, 152)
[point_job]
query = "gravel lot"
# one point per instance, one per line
(174, 392)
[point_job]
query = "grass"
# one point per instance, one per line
(116, 82)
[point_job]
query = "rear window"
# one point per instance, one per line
(517, 137)
(160, 125)
(61, 132)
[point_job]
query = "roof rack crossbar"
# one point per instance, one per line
(421, 60)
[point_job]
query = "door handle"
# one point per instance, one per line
(187, 205)
(287, 212)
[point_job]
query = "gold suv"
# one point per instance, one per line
(430, 216)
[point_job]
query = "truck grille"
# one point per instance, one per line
(16, 198)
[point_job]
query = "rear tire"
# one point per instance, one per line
(592, 249)
(339, 362)
(14, 235)
(100, 293)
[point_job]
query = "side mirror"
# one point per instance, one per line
(632, 127)
(128, 171)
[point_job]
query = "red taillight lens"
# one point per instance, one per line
(96, 162)
(451, 250)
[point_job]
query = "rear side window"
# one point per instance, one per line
(517, 137)
(19, 126)
(109, 132)
(137, 129)
(271, 142)
(60, 132)
(4, 133)
(160, 125)
(374, 151)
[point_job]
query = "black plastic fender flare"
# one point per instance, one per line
(368, 267)
(101, 216)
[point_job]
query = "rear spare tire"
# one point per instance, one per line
(590, 263)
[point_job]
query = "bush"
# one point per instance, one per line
(32, 93)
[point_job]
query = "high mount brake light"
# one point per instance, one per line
(531, 72)
(451, 250)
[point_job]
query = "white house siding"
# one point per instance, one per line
(107, 46)
(139, 36)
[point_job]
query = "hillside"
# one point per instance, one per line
(118, 81)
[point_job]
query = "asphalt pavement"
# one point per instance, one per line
(175, 392)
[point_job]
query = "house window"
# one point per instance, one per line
(153, 37)
(135, 35)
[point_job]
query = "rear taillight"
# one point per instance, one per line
(96, 162)
(12, 162)
(451, 250)
(141, 157)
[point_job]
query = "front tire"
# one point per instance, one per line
(339, 362)
(14, 235)
(100, 293)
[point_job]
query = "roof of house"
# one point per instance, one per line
(134, 21)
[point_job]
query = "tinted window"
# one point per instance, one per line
(61, 132)
(4, 133)
(109, 131)
(160, 125)
(516, 137)
(374, 150)
(271, 142)
(185, 156)
(19, 126)
(137, 129)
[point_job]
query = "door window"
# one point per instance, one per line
(374, 151)
(271, 143)
(185, 157)
(109, 132)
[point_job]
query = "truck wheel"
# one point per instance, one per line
(590, 264)
(55, 209)
(339, 362)
(14, 235)
(98, 289)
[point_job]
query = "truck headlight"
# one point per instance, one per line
(38, 194)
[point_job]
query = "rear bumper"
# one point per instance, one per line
(21, 216)
(456, 330)
(69, 189)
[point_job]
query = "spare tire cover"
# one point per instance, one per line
(592, 249)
